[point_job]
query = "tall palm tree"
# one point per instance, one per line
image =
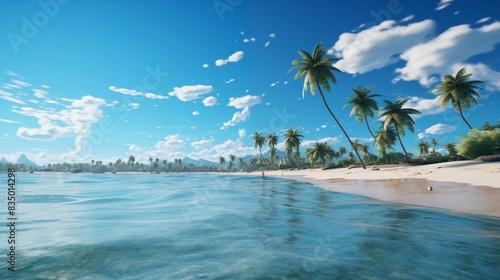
(363, 105)
(318, 72)
(258, 142)
(222, 160)
(459, 91)
(451, 149)
(399, 117)
(131, 160)
(292, 141)
(319, 151)
(385, 137)
(241, 163)
(342, 150)
(434, 143)
(423, 148)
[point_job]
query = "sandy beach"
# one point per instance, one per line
(463, 186)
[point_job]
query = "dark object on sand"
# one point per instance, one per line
(489, 158)
(416, 161)
(430, 188)
(75, 170)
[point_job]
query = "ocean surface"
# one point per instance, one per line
(204, 226)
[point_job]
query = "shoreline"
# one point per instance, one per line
(469, 187)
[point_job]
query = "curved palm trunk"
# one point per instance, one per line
(462, 115)
(262, 157)
(338, 123)
(369, 130)
(401, 142)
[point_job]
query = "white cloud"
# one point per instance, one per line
(241, 133)
(443, 4)
(378, 46)
(209, 101)
(134, 148)
(235, 57)
(483, 20)
(201, 144)
(40, 93)
(437, 129)
(126, 91)
(229, 81)
(196, 113)
(480, 72)
(76, 120)
(330, 140)
(205, 65)
(408, 18)
(457, 44)
(20, 83)
(134, 105)
(171, 142)
(243, 102)
(228, 147)
(155, 96)
(137, 93)
(267, 44)
(9, 97)
(425, 106)
(323, 126)
(188, 93)
(8, 121)
(238, 117)
(246, 40)
(272, 35)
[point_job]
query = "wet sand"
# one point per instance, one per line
(465, 186)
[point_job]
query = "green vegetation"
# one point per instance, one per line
(479, 143)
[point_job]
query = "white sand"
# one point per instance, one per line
(464, 186)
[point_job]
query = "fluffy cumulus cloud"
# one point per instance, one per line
(379, 45)
(330, 140)
(205, 65)
(235, 57)
(188, 93)
(134, 92)
(424, 105)
(242, 133)
(238, 117)
(195, 113)
(436, 129)
(171, 142)
(201, 144)
(229, 147)
(456, 44)
(245, 101)
(209, 101)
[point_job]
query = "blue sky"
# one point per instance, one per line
(102, 80)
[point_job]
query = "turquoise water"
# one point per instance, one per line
(180, 226)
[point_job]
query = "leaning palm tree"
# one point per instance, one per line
(363, 105)
(258, 142)
(459, 91)
(423, 148)
(399, 117)
(342, 150)
(318, 72)
(451, 149)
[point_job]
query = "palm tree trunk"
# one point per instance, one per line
(338, 123)
(261, 157)
(367, 126)
(401, 142)
(462, 115)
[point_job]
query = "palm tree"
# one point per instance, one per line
(385, 137)
(342, 150)
(318, 73)
(258, 142)
(292, 141)
(459, 91)
(319, 151)
(131, 160)
(451, 149)
(423, 148)
(399, 117)
(222, 160)
(363, 105)
(488, 126)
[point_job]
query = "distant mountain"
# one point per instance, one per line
(3, 160)
(187, 161)
(22, 159)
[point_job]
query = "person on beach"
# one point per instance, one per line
(263, 177)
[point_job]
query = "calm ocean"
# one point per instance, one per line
(200, 226)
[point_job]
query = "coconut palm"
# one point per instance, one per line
(272, 141)
(258, 142)
(399, 117)
(292, 141)
(342, 150)
(319, 152)
(222, 161)
(385, 137)
(363, 105)
(423, 148)
(318, 72)
(459, 91)
(451, 149)
(131, 160)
